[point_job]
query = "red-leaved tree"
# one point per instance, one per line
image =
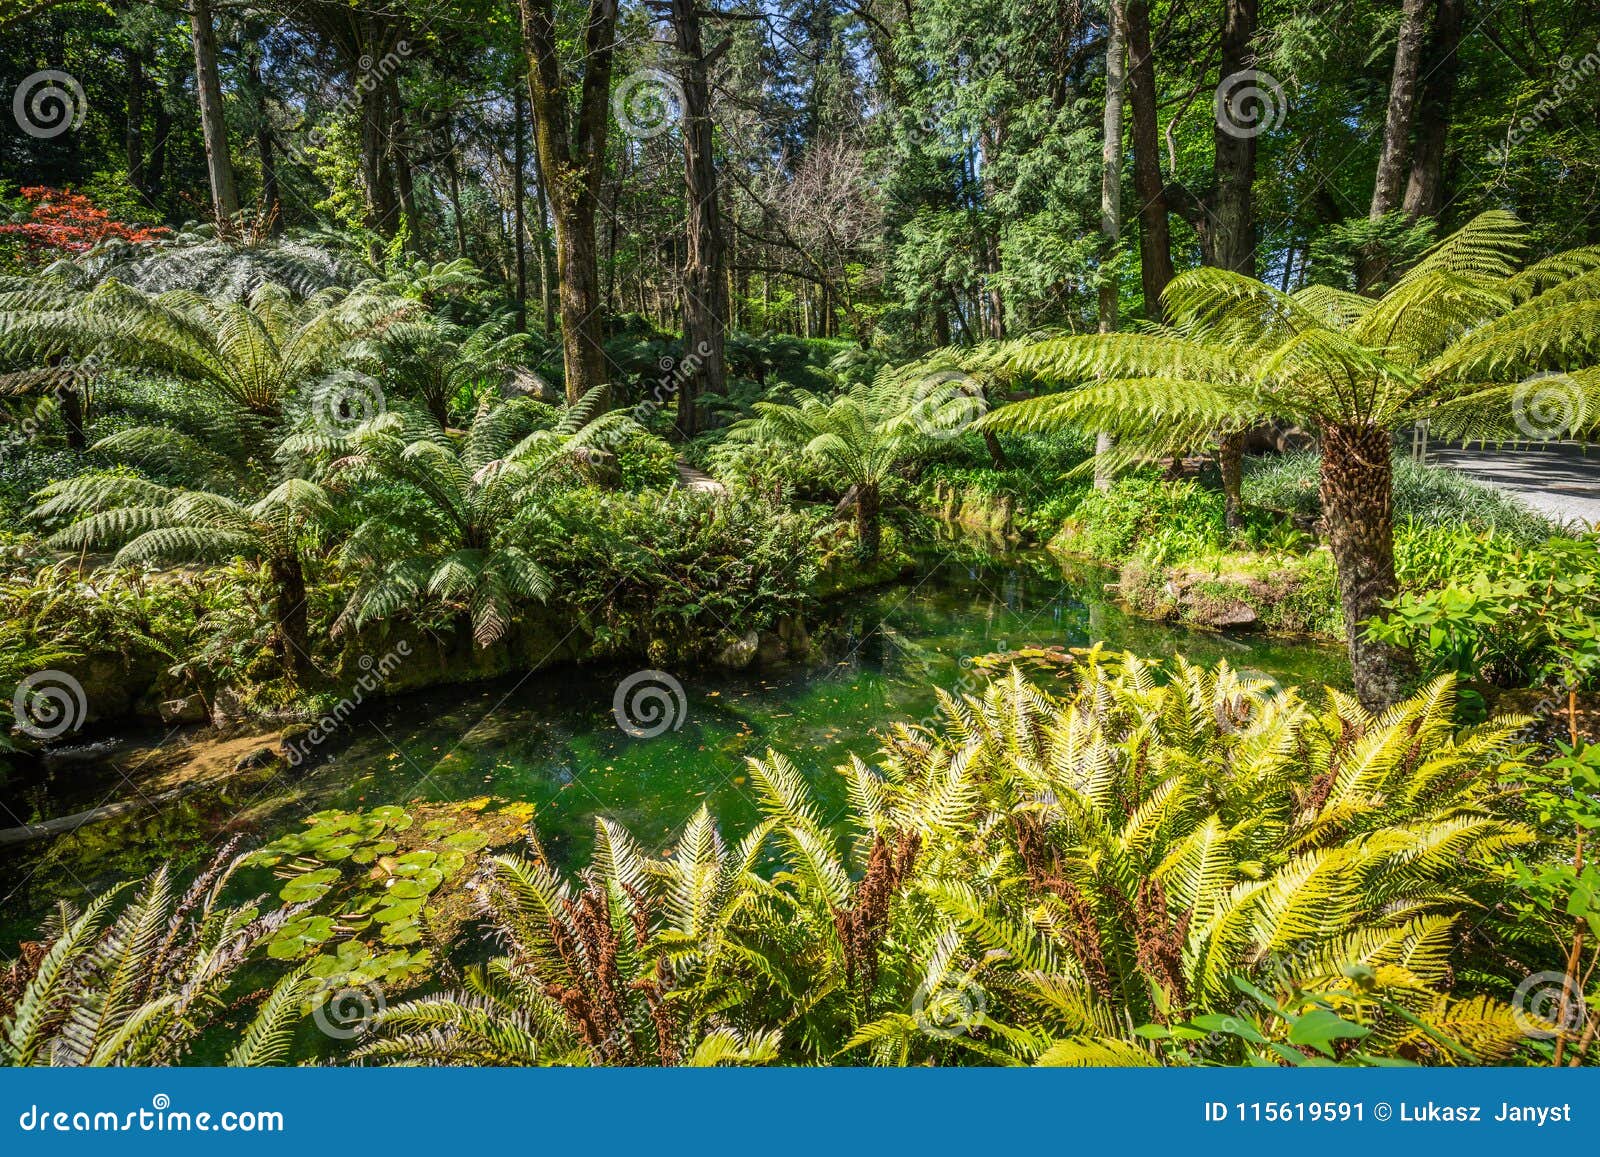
(68, 222)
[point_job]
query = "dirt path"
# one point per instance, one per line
(691, 478)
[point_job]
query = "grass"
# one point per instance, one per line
(1421, 493)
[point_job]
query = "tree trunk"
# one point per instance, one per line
(72, 418)
(400, 164)
(155, 170)
(289, 609)
(519, 218)
(1110, 201)
(1402, 102)
(1155, 234)
(213, 119)
(1358, 505)
(869, 526)
(452, 162)
(1425, 187)
(1230, 462)
(133, 136)
(269, 164)
(382, 215)
(1393, 155)
(997, 454)
(1228, 229)
(572, 153)
(705, 279)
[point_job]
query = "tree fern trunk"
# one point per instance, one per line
(869, 529)
(1358, 504)
(289, 608)
(1230, 461)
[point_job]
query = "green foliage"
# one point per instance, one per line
(1423, 495)
(1025, 880)
(1162, 521)
(1450, 342)
(669, 574)
(1486, 607)
(645, 462)
(437, 529)
(136, 984)
(254, 354)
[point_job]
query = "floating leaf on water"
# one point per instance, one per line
(413, 862)
(391, 816)
(416, 886)
(468, 841)
(402, 932)
(398, 910)
(299, 936)
(310, 887)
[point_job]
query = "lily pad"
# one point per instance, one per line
(309, 887)
(299, 936)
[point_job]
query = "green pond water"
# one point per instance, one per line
(552, 739)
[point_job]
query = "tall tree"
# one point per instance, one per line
(1110, 195)
(572, 150)
(705, 275)
(1395, 149)
(1155, 232)
(213, 119)
(1425, 186)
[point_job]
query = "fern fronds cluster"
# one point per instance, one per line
(1028, 881)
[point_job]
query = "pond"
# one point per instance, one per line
(552, 738)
